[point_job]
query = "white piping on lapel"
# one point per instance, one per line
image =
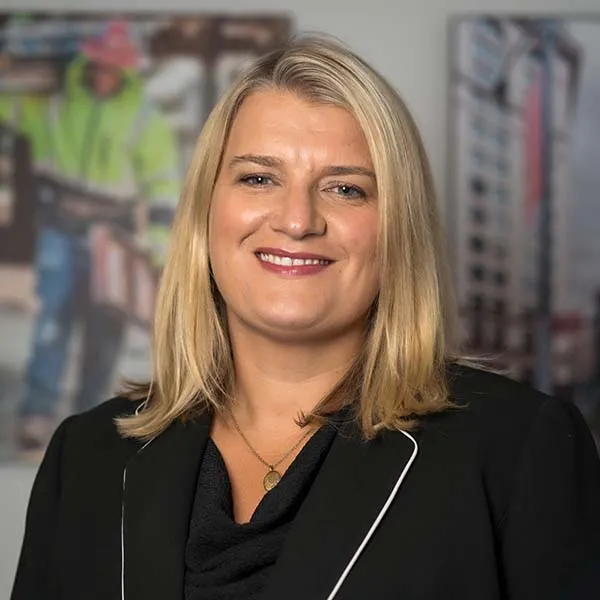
(137, 410)
(380, 516)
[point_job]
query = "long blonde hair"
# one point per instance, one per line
(401, 372)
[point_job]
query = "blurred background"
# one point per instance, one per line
(521, 197)
(99, 112)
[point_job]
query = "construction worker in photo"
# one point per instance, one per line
(103, 138)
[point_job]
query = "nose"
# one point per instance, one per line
(297, 214)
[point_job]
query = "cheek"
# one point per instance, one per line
(220, 217)
(361, 238)
(220, 242)
(234, 217)
(219, 235)
(362, 246)
(224, 228)
(232, 223)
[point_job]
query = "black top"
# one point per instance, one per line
(226, 560)
(498, 502)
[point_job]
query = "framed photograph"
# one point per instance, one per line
(522, 207)
(74, 200)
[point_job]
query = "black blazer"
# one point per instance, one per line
(500, 499)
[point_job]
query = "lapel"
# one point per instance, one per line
(352, 487)
(344, 504)
(158, 491)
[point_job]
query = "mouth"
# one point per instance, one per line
(292, 262)
(288, 261)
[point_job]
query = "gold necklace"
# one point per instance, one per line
(273, 476)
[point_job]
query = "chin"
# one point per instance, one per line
(290, 322)
(287, 325)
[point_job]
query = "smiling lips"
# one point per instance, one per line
(291, 263)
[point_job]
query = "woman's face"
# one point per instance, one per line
(294, 220)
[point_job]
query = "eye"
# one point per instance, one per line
(345, 190)
(256, 180)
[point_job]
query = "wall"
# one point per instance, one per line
(405, 39)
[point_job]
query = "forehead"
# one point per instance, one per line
(269, 120)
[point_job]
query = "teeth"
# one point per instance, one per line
(286, 261)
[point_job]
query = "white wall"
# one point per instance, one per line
(405, 39)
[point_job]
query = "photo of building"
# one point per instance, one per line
(516, 203)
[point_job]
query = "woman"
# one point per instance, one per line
(308, 432)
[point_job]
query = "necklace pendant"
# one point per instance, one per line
(272, 478)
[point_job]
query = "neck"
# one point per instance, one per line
(275, 382)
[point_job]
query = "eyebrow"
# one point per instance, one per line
(258, 159)
(349, 170)
(276, 163)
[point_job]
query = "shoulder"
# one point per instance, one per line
(497, 411)
(498, 422)
(494, 402)
(94, 432)
(509, 408)
(102, 417)
(508, 437)
(468, 384)
(86, 454)
(503, 427)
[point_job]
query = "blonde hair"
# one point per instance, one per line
(401, 372)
